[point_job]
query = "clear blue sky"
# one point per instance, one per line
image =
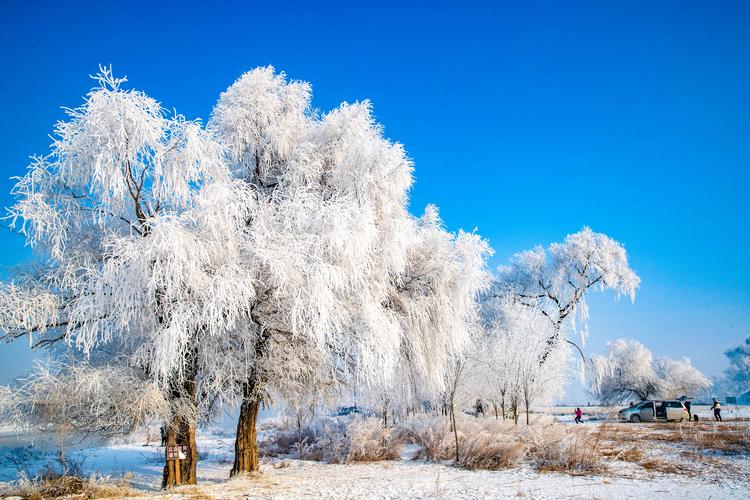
(526, 120)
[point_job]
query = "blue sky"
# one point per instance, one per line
(527, 120)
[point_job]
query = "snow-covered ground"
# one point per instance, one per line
(421, 480)
(728, 477)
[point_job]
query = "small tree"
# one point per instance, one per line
(76, 399)
(515, 337)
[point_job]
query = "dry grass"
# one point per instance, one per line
(665, 466)
(491, 444)
(73, 487)
(688, 448)
(576, 452)
(633, 454)
(730, 438)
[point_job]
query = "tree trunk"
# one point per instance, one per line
(455, 432)
(181, 432)
(246, 443)
(527, 415)
(385, 412)
(299, 436)
(494, 404)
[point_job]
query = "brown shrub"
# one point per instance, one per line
(574, 452)
(489, 451)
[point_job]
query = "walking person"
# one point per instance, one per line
(163, 436)
(716, 407)
(579, 414)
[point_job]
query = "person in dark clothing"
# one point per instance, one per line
(163, 436)
(687, 407)
(479, 407)
(716, 407)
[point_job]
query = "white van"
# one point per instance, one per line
(655, 411)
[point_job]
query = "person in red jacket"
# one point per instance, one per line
(579, 414)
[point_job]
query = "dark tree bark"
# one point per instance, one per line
(246, 442)
(181, 432)
(384, 408)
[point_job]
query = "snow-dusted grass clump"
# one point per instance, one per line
(333, 440)
(486, 443)
(54, 485)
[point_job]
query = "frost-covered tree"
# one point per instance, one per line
(678, 378)
(555, 280)
(737, 375)
(268, 256)
(343, 279)
(130, 212)
(73, 399)
(629, 369)
(435, 302)
(515, 337)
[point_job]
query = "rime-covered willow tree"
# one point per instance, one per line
(507, 357)
(435, 302)
(130, 213)
(336, 269)
(629, 369)
(555, 281)
(270, 255)
(738, 373)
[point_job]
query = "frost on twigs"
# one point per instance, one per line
(555, 280)
(83, 399)
(267, 256)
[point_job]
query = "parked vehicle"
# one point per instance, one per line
(655, 411)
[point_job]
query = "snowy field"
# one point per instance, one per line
(670, 469)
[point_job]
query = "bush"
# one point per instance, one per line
(573, 451)
(323, 440)
(487, 444)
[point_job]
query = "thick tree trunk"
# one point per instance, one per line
(527, 415)
(502, 406)
(181, 432)
(246, 443)
(494, 404)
